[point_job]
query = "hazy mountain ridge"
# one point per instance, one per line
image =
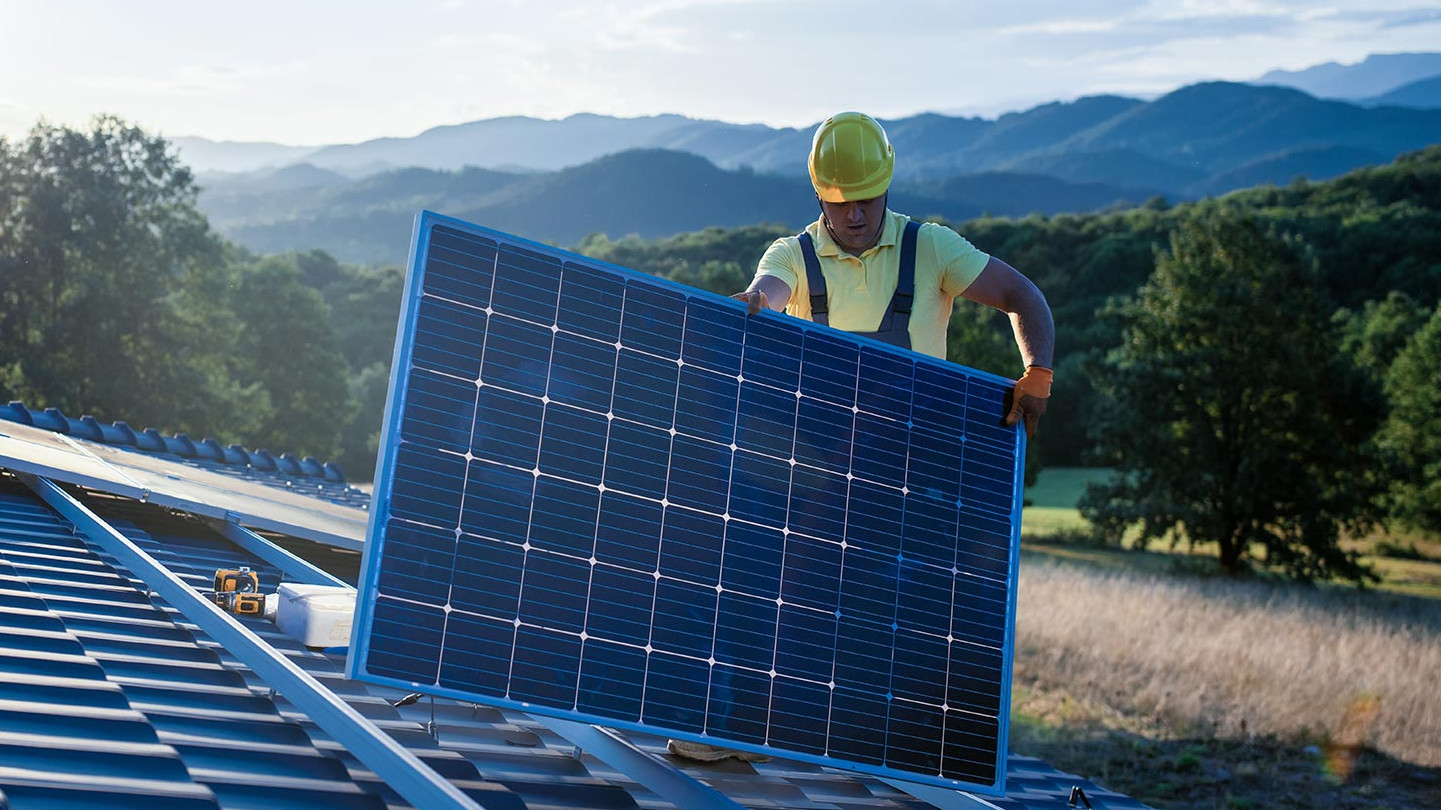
(1211, 128)
(1376, 75)
(1422, 94)
(518, 141)
(650, 193)
(662, 175)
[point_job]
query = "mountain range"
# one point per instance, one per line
(516, 142)
(655, 176)
(1401, 79)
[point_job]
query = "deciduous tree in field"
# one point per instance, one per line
(1411, 438)
(1223, 408)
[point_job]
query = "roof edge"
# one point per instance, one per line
(151, 440)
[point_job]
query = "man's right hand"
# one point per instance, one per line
(755, 301)
(765, 292)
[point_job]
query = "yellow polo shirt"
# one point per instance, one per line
(860, 287)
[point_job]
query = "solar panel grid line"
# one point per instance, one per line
(835, 461)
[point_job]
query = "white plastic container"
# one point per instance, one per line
(316, 615)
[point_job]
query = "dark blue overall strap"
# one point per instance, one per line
(905, 283)
(820, 301)
(895, 324)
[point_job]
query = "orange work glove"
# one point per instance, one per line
(1028, 398)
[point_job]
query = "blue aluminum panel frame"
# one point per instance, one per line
(612, 499)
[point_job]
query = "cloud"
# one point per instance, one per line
(399, 69)
(674, 26)
(1403, 20)
(195, 81)
(1379, 18)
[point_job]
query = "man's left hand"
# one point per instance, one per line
(1028, 399)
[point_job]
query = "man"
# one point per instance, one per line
(864, 268)
(846, 268)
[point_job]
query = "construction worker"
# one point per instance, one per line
(864, 268)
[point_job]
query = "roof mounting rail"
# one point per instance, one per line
(292, 566)
(939, 797)
(406, 773)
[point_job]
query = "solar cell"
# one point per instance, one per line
(610, 498)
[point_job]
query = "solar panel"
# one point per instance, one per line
(215, 492)
(606, 497)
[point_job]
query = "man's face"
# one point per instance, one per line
(855, 225)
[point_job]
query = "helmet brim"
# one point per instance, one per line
(831, 194)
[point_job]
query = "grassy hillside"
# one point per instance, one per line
(1148, 674)
(1202, 693)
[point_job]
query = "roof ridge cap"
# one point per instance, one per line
(150, 440)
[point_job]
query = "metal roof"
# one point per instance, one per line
(111, 697)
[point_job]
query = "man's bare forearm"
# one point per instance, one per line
(777, 293)
(1035, 330)
(1001, 287)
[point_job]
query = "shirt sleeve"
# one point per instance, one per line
(959, 262)
(783, 260)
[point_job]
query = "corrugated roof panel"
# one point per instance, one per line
(267, 731)
(119, 747)
(123, 725)
(98, 758)
(54, 690)
(40, 791)
(68, 626)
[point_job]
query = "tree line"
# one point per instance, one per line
(118, 300)
(1258, 368)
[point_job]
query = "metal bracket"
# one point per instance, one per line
(939, 797)
(648, 770)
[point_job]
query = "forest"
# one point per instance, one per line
(1259, 368)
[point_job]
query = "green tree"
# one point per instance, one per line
(1411, 437)
(287, 345)
(360, 441)
(1376, 334)
(1219, 408)
(110, 280)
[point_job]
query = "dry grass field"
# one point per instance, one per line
(1194, 691)
(1223, 658)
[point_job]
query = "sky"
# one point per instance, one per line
(309, 73)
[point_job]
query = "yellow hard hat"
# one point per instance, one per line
(851, 158)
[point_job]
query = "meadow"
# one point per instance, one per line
(1146, 671)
